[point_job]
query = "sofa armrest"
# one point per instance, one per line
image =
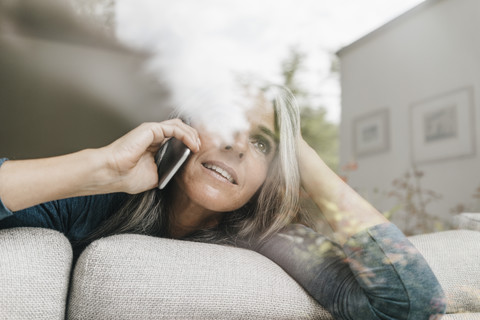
(34, 273)
(141, 277)
(454, 257)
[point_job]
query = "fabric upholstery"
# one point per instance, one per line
(454, 257)
(140, 277)
(131, 277)
(34, 273)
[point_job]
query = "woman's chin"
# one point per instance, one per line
(214, 198)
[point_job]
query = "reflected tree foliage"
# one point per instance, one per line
(321, 134)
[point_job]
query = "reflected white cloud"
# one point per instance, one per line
(208, 42)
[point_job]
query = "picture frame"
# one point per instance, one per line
(371, 133)
(442, 127)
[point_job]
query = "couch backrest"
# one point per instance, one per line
(34, 273)
(143, 277)
(140, 277)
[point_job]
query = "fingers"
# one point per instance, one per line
(178, 129)
(131, 157)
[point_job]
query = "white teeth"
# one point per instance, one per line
(222, 172)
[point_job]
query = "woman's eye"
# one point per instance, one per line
(261, 145)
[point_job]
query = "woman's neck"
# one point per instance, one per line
(187, 216)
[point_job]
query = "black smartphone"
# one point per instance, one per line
(170, 158)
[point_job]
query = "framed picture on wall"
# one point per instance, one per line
(371, 133)
(442, 127)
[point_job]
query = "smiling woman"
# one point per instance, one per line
(230, 190)
(241, 192)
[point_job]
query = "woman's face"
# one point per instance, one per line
(222, 177)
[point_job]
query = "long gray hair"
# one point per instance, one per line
(275, 205)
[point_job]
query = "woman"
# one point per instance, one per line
(243, 193)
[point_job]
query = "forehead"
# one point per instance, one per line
(262, 114)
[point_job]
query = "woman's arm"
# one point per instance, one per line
(344, 209)
(376, 274)
(126, 165)
(373, 273)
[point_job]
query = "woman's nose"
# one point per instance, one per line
(239, 145)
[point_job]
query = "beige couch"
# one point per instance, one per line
(140, 277)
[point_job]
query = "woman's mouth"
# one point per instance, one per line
(222, 171)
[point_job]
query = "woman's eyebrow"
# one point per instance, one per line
(269, 133)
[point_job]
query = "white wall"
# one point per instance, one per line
(429, 51)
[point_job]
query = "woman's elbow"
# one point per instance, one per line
(427, 299)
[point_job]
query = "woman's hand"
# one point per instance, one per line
(126, 165)
(131, 158)
(344, 209)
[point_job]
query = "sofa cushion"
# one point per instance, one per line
(34, 273)
(454, 257)
(141, 277)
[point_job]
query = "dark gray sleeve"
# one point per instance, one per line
(378, 274)
(75, 217)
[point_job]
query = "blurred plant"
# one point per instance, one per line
(318, 132)
(372, 196)
(414, 200)
(471, 207)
